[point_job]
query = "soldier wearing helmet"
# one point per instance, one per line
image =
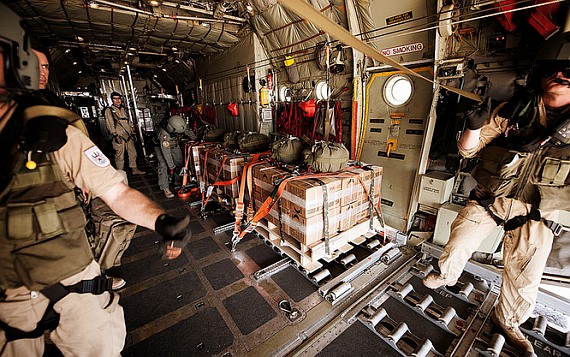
(523, 180)
(48, 277)
(169, 134)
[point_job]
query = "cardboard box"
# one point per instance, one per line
(224, 166)
(264, 176)
(309, 230)
(197, 154)
(435, 188)
(304, 197)
(352, 214)
(352, 187)
(267, 173)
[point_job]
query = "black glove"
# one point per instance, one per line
(175, 232)
(512, 109)
(477, 115)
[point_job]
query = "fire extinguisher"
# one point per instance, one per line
(270, 79)
(263, 94)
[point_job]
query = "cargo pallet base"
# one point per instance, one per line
(307, 257)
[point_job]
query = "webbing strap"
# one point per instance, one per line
(486, 203)
(54, 293)
(265, 207)
(188, 153)
(216, 182)
(518, 221)
(246, 181)
(49, 321)
(325, 216)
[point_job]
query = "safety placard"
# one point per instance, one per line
(399, 50)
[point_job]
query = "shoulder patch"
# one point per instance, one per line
(97, 157)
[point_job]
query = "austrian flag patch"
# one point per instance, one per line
(97, 157)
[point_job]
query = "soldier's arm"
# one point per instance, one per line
(132, 205)
(472, 141)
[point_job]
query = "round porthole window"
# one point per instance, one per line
(398, 90)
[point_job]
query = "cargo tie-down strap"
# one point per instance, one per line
(246, 183)
(325, 216)
(186, 169)
(207, 192)
(277, 191)
(54, 293)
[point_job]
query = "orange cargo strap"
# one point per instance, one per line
(246, 179)
(188, 154)
(204, 182)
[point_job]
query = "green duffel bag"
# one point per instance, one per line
(326, 157)
(214, 135)
(231, 139)
(254, 142)
(288, 150)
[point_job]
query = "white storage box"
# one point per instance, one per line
(445, 217)
(435, 188)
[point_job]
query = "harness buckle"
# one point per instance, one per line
(556, 228)
(97, 285)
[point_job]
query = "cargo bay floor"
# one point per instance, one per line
(255, 302)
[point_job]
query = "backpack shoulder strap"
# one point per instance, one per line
(48, 110)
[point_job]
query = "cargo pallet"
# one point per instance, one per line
(307, 257)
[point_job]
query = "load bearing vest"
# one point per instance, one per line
(43, 227)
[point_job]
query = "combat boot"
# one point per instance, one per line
(436, 281)
(168, 193)
(513, 335)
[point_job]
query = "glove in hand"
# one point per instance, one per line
(175, 232)
(477, 115)
(117, 139)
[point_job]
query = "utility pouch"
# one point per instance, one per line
(554, 198)
(20, 223)
(37, 272)
(48, 219)
(498, 169)
(113, 235)
(553, 172)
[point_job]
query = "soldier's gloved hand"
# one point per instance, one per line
(117, 139)
(477, 115)
(175, 232)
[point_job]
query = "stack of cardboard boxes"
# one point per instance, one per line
(301, 212)
(222, 165)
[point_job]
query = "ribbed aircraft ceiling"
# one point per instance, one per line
(101, 37)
